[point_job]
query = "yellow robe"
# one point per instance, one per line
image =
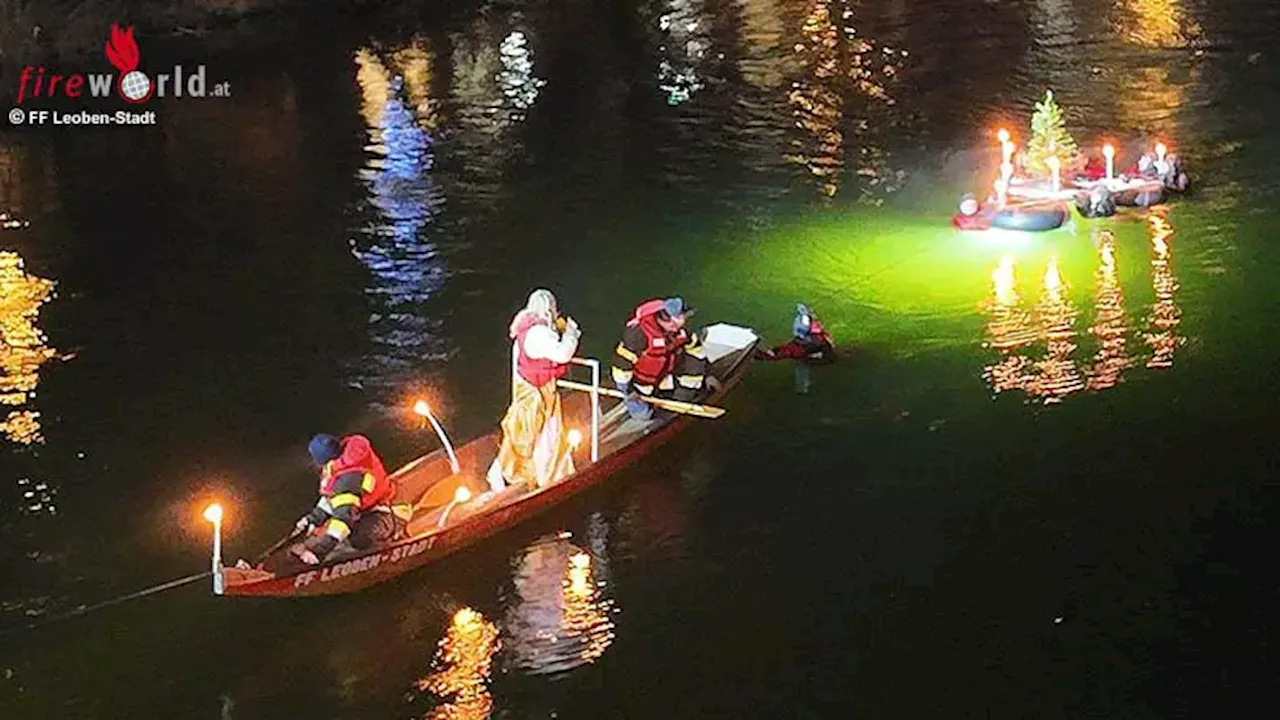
(535, 446)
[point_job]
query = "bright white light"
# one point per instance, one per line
(213, 513)
(516, 79)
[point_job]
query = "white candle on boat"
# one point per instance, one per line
(1056, 167)
(1160, 151)
(1110, 154)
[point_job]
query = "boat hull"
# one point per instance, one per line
(360, 571)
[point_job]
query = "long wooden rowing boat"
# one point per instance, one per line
(441, 524)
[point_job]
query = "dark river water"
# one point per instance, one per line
(1038, 484)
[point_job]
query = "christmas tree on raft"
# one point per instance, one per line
(1049, 138)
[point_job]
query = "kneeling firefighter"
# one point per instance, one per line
(355, 499)
(658, 357)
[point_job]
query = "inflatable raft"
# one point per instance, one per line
(1026, 217)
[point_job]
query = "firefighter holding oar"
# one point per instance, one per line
(658, 358)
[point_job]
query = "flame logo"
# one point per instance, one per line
(122, 52)
(122, 49)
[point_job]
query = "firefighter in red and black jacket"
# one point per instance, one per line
(658, 357)
(355, 498)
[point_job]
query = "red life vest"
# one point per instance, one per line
(358, 456)
(536, 371)
(661, 350)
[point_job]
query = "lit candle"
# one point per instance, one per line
(1001, 188)
(1160, 151)
(1054, 166)
(1110, 154)
(1006, 171)
(1006, 147)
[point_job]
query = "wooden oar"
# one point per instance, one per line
(704, 411)
(279, 544)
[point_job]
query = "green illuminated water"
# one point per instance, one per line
(1012, 497)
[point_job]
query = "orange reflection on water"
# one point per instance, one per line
(1008, 329)
(1156, 23)
(1057, 375)
(838, 61)
(815, 104)
(374, 74)
(561, 619)
(1109, 322)
(1012, 331)
(1165, 316)
(461, 671)
(23, 348)
(585, 613)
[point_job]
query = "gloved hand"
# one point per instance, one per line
(304, 524)
(624, 388)
(304, 554)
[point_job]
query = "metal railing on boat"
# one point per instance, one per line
(595, 402)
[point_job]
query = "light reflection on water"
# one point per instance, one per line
(406, 269)
(23, 348)
(1110, 324)
(462, 668)
(686, 29)
(519, 84)
(1037, 348)
(1159, 24)
(493, 87)
(560, 616)
(841, 66)
(1165, 317)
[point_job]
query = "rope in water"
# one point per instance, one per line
(86, 609)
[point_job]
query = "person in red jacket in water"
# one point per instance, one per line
(809, 341)
(355, 499)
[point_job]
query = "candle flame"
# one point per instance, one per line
(213, 513)
(1003, 135)
(422, 408)
(1108, 150)
(575, 438)
(462, 494)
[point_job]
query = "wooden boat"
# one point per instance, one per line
(441, 524)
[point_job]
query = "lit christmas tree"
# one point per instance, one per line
(1049, 137)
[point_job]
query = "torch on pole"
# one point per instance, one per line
(422, 408)
(213, 514)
